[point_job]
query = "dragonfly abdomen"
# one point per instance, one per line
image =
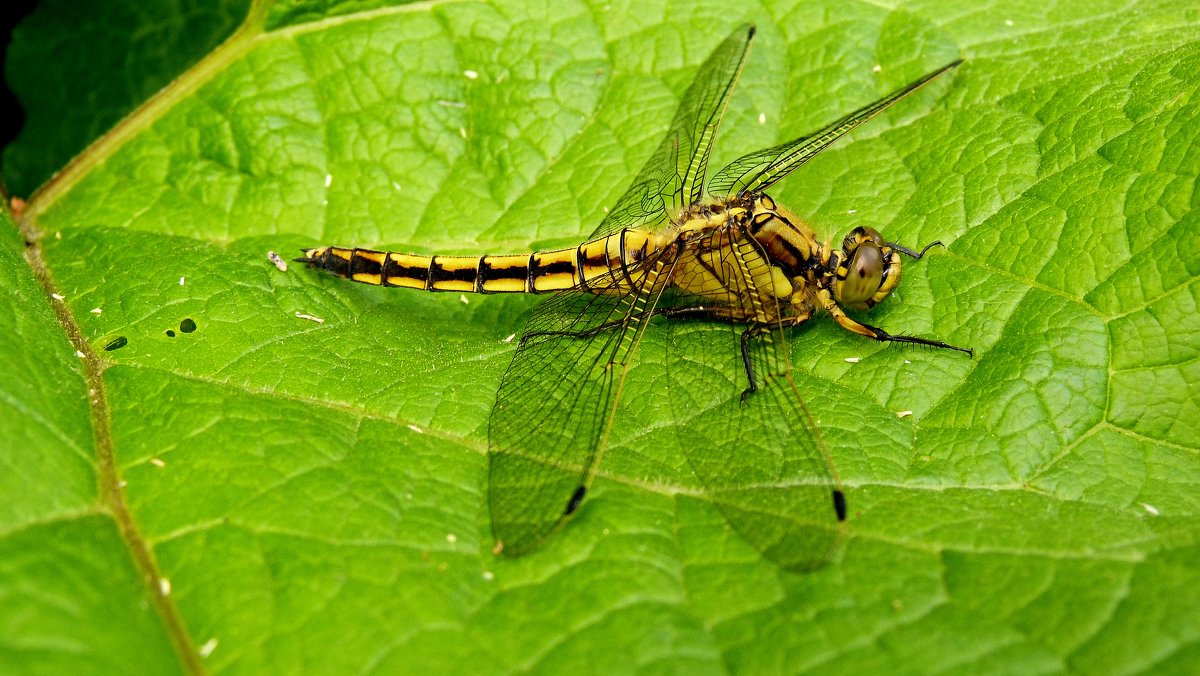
(595, 265)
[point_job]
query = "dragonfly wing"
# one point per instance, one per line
(555, 405)
(673, 177)
(761, 169)
(760, 457)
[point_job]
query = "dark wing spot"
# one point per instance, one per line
(839, 504)
(576, 498)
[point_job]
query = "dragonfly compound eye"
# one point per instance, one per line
(864, 273)
(859, 236)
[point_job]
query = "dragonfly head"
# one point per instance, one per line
(867, 269)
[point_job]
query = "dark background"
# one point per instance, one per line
(11, 13)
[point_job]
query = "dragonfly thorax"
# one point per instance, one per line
(864, 271)
(711, 215)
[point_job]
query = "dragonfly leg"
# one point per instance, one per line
(803, 312)
(716, 314)
(719, 314)
(875, 333)
(748, 335)
(588, 333)
(915, 255)
(727, 315)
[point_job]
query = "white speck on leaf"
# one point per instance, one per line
(80, 354)
(853, 360)
(207, 649)
(279, 262)
(463, 297)
(96, 310)
(462, 131)
(878, 68)
(762, 118)
(416, 429)
(328, 180)
(182, 280)
(451, 538)
(471, 75)
(157, 462)
(1153, 511)
(510, 337)
(164, 586)
(57, 296)
(311, 318)
(903, 414)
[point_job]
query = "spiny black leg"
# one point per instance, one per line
(689, 312)
(747, 336)
(607, 326)
(886, 337)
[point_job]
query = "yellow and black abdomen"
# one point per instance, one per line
(598, 265)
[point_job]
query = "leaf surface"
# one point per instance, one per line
(270, 493)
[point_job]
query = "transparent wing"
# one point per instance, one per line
(555, 405)
(761, 459)
(760, 170)
(673, 177)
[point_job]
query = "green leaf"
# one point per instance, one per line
(269, 493)
(78, 68)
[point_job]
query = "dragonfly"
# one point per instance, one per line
(730, 271)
